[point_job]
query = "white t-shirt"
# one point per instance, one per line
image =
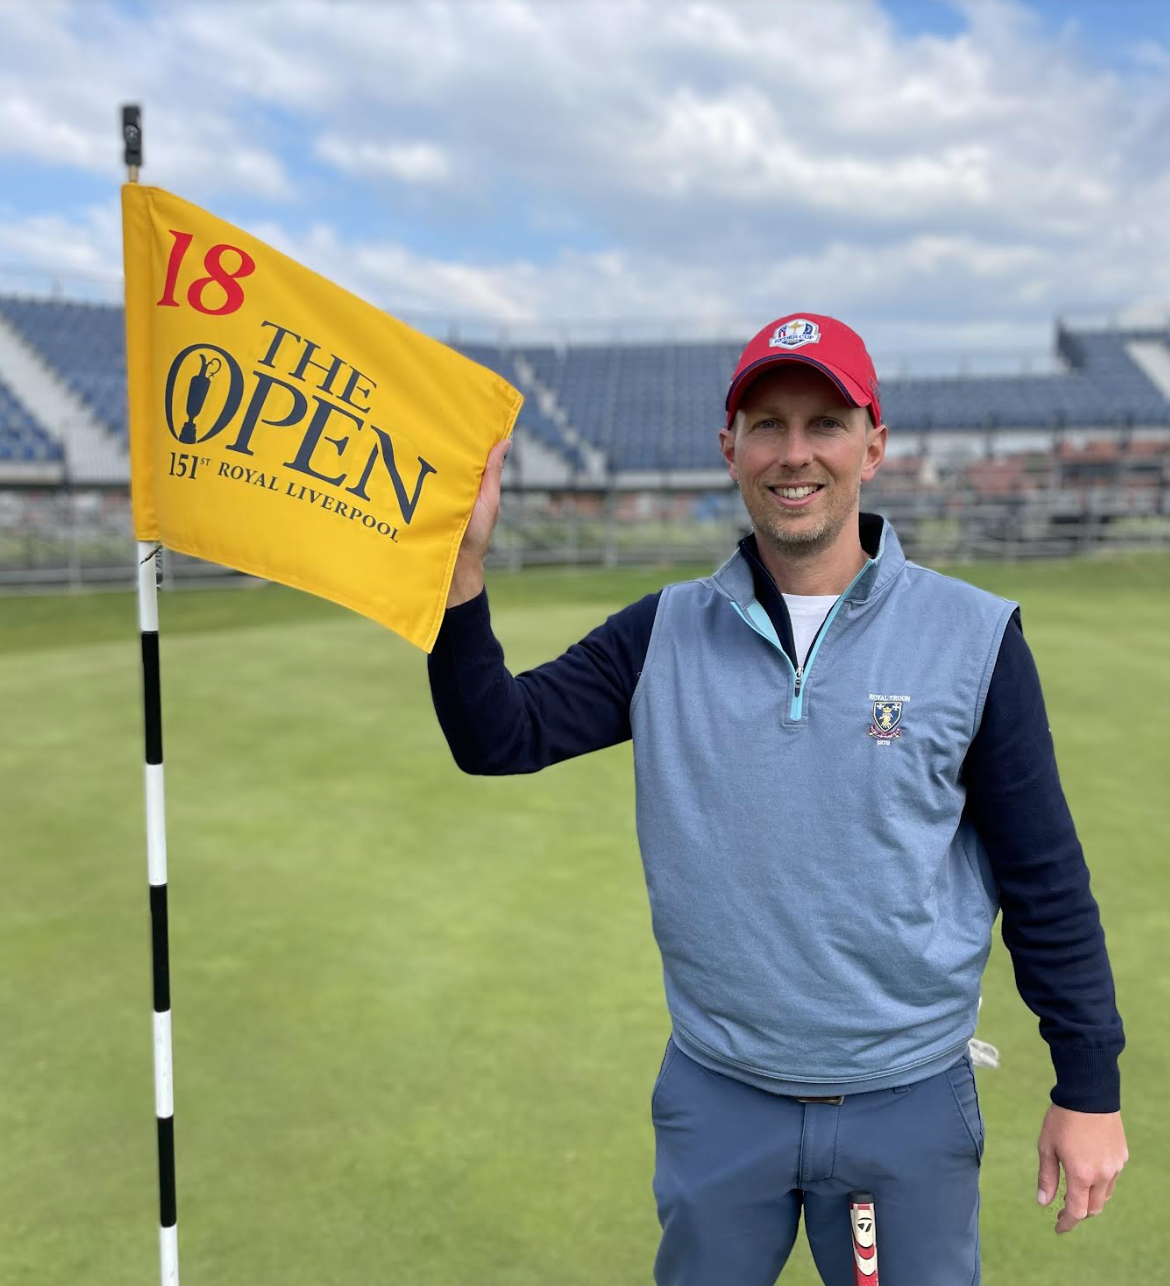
(807, 612)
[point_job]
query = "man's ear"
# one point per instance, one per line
(727, 447)
(875, 452)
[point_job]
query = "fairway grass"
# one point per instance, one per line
(417, 1015)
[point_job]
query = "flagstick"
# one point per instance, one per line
(156, 865)
(156, 845)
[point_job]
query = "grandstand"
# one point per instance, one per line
(23, 442)
(1017, 457)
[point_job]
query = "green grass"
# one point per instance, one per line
(417, 1015)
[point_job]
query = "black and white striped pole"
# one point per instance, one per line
(156, 845)
(156, 867)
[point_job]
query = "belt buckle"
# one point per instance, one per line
(835, 1099)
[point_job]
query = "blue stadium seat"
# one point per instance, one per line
(85, 344)
(531, 419)
(642, 406)
(21, 437)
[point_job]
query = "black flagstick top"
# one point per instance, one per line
(132, 137)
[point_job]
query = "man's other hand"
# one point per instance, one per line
(1091, 1148)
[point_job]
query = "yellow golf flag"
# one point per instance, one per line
(282, 426)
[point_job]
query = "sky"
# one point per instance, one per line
(945, 175)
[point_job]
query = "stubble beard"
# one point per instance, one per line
(805, 540)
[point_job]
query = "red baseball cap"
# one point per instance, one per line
(823, 342)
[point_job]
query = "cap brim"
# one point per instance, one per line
(853, 393)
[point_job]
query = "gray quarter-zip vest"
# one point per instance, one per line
(822, 904)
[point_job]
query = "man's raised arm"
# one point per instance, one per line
(497, 723)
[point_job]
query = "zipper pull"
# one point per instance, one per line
(799, 679)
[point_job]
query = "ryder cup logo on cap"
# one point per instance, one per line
(795, 334)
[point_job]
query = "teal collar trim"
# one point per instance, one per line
(763, 622)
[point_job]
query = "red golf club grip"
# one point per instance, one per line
(864, 1229)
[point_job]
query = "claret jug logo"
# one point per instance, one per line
(193, 414)
(196, 396)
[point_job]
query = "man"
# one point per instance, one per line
(843, 771)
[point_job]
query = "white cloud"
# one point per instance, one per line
(51, 249)
(663, 161)
(1152, 54)
(68, 67)
(409, 162)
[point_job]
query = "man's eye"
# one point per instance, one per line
(827, 422)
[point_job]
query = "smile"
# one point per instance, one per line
(796, 497)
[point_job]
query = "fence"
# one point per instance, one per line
(1016, 507)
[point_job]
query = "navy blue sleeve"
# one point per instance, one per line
(497, 723)
(1051, 924)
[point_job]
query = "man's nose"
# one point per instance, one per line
(795, 448)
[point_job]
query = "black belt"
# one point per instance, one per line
(835, 1099)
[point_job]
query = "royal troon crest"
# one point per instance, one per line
(887, 718)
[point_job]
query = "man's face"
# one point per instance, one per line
(800, 455)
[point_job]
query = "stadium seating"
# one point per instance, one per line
(85, 344)
(22, 440)
(659, 406)
(532, 419)
(652, 407)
